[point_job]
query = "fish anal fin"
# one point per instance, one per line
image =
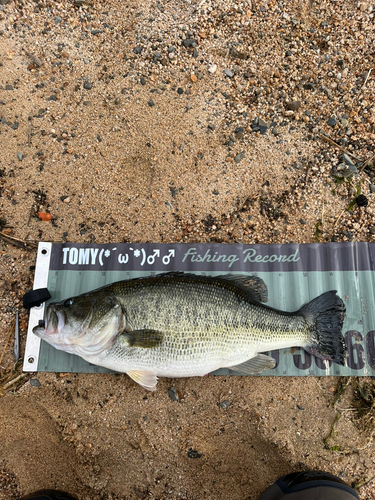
(146, 338)
(254, 365)
(147, 380)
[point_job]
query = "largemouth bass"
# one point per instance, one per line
(185, 325)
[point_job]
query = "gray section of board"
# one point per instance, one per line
(287, 291)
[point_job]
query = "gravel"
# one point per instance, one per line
(225, 404)
(263, 126)
(332, 121)
(173, 394)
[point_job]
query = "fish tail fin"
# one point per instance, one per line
(325, 316)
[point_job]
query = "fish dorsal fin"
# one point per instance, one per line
(147, 380)
(254, 286)
(254, 365)
(146, 339)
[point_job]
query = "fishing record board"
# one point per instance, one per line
(294, 275)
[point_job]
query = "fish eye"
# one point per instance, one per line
(68, 302)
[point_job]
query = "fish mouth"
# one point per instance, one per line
(54, 323)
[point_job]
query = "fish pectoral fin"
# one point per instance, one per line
(142, 338)
(147, 380)
(254, 365)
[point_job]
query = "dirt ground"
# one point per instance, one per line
(179, 121)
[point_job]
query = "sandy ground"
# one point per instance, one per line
(179, 121)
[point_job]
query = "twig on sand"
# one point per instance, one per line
(17, 242)
(328, 139)
(308, 172)
(6, 343)
(368, 74)
(367, 163)
(337, 221)
(369, 441)
(29, 131)
(14, 380)
(365, 483)
(34, 59)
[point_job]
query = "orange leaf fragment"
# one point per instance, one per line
(44, 216)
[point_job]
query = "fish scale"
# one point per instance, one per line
(178, 325)
(200, 335)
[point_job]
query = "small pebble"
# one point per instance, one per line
(212, 69)
(193, 453)
(189, 42)
(362, 200)
(263, 126)
(309, 86)
(348, 161)
(293, 105)
(34, 382)
(87, 85)
(173, 394)
(20, 156)
(224, 404)
(332, 121)
(344, 122)
(239, 157)
(228, 73)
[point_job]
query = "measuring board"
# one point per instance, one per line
(294, 275)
